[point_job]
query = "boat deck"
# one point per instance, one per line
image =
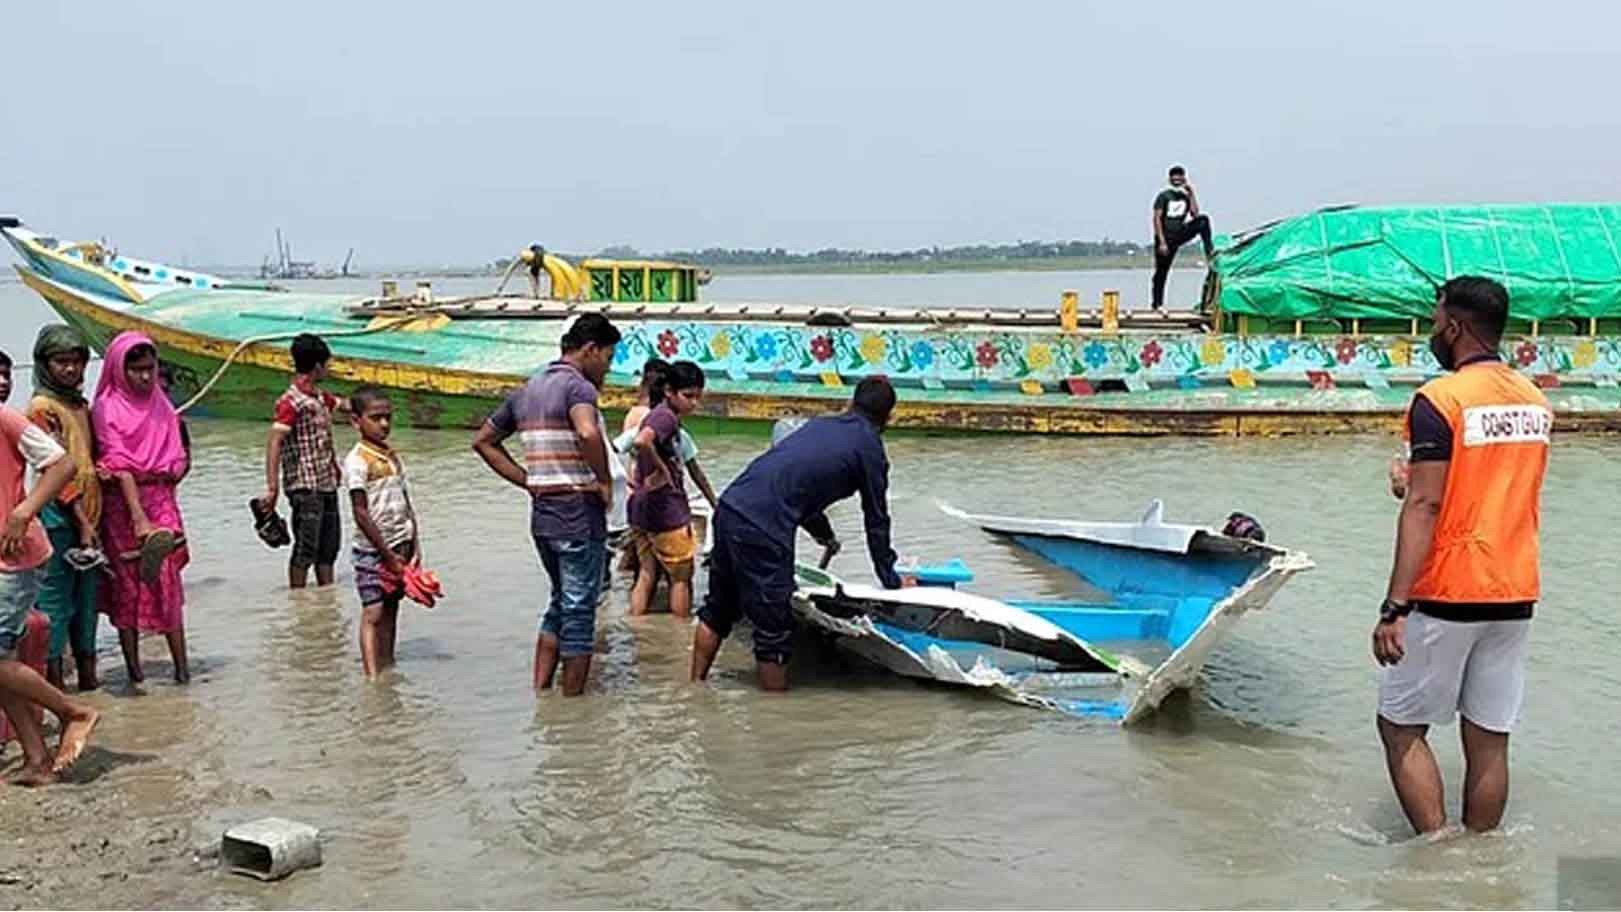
(523, 308)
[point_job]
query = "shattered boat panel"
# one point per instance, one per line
(1161, 595)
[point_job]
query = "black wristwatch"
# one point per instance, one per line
(1390, 610)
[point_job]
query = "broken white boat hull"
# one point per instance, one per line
(1154, 590)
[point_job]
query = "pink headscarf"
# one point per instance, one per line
(134, 433)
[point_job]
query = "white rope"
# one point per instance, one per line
(272, 337)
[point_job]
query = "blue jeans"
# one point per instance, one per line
(574, 566)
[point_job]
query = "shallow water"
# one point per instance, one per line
(450, 783)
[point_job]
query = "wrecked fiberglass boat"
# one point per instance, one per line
(1158, 598)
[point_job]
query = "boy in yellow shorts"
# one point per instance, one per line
(659, 508)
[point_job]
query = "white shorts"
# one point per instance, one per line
(1451, 667)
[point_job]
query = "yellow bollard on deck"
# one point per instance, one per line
(1111, 312)
(1069, 312)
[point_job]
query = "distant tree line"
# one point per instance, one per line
(778, 256)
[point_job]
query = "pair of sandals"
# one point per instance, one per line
(85, 559)
(268, 525)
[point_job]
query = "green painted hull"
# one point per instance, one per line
(452, 372)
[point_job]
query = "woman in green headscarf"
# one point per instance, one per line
(68, 591)
(58, 341)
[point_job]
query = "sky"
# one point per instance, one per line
(454, 133)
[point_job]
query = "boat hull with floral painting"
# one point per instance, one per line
(448, 361)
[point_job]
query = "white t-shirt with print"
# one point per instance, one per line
(382, 476)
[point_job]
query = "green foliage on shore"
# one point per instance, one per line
(1025, 256)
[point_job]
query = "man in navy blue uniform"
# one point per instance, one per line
(789, 487)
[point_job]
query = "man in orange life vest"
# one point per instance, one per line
(1453, 629)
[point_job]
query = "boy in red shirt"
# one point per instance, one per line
(301, 458)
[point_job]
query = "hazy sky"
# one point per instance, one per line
(456, 132)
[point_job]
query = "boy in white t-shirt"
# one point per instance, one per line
(385, 526)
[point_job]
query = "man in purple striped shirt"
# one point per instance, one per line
(570, 486)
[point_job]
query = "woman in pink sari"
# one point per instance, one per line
(141, 456)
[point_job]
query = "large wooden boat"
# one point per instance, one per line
(1314, 325)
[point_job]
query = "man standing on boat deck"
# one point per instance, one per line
(789, 487)
(570, 483)
(1177, 220)
(1455, 622)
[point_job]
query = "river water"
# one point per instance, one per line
(449, 783)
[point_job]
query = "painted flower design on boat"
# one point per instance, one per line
(1526, 354)
(669, 345)
(821, 348)
(1096, 355)
(1345, 351)
(1213, 353)
(1401, 354)
(1277, 352)
(1151, 353)
(873, 348)
(765, 347)
(922, 355)
(985, 354)
(1039, 356)
(1585, 354)
(621, 353)
(721, 345)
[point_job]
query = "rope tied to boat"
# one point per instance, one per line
(379, 325)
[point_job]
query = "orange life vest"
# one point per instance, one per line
(1485, 545)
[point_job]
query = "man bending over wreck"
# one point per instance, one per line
(788, 487)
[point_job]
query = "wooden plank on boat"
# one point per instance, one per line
(510, 308)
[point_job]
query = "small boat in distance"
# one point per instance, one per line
(1157, 599)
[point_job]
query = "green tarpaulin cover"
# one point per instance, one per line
(1353, 262)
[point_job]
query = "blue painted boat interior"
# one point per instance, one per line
(1108, 709)
(1097, 623)
(1140, 602)
(1155, 595)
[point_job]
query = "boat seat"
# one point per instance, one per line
(1093, 622)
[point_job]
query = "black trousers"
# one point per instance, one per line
(1196, 227)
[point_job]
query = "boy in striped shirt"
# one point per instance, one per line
(566, 473)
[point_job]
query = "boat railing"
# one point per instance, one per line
(508, 308)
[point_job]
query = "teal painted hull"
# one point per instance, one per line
(451, 372)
